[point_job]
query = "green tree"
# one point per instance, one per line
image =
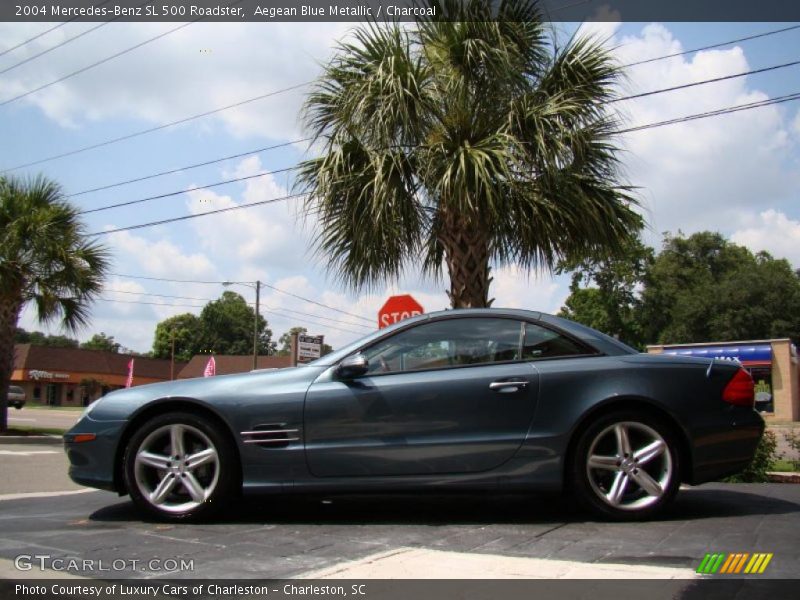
(464, 144)
(285, 341)
(227, 327)
(101, 341)
(46, 261)
(704, 288)
(37, 338)
(604, 292)
(186, 330)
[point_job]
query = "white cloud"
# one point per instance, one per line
(171, 78)
(700, 174)
(160, 258)
(774, 232)
(268, 235)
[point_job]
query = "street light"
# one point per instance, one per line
(256, 285)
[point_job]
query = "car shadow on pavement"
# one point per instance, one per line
(449, 509)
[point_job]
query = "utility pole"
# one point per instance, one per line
(172, 355)
(255, 326)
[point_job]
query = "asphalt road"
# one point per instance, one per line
(33, 468)
(291, 537)
(296, 536)
(43, 417)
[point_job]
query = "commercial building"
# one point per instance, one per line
(76, 377)
(227, 364)
(772, 363)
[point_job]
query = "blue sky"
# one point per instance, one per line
(737, 174)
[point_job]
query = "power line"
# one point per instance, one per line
(45, 32)
(95, 64)
(171, 305)
(188, 167)
(246, 101)
(707, 81)
(178, 192)
(156, 128)
(64, 43)
(265, 148)
(711, 46)
(717, 112)
(293, 319)
(321, 317)
(281, 308)
(272, 287)
(187, 217)
(37, 36)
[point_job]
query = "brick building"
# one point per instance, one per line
(76, 377)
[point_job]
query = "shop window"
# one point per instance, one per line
(762, 376)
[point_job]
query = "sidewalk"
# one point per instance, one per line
(420, 563)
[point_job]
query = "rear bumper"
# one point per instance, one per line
(726, 451)
(92, 463)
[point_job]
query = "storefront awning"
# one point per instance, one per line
(752, 354)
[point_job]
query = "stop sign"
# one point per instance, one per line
(398, 308)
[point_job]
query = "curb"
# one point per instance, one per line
(50, 440)
(777, 477)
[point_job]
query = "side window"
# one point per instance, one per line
(447, 343)
(541, 342)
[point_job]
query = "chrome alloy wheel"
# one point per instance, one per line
(176, 468)
(629, 466)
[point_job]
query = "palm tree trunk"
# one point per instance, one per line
(9, 315)
(466, 249)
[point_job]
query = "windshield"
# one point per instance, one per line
(336, 356)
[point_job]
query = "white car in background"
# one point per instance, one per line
(16, 396)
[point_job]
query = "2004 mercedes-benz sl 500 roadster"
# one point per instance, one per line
(508, 400)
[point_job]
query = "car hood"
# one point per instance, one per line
(217, 390)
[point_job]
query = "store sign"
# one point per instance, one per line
(37, 375)
(309, 347)
(745, 354)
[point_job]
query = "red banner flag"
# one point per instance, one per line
(129, 381)
(211, 368)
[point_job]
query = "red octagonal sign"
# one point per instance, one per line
(398, 308)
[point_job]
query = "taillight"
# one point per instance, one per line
(740, 390)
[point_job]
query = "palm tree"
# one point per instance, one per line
(46, 260)
(470, 142)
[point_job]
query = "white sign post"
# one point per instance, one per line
(306, 347)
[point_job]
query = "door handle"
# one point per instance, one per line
(508, 386)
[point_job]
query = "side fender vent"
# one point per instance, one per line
(271, 435)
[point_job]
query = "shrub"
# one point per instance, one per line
(766, 454)
(792, 437)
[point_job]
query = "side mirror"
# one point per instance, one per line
(353, 366)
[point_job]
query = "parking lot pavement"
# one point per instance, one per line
(33, 468)
(275, 537)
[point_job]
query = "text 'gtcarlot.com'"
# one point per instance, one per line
(41, 562)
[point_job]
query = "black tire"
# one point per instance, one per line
(612, 490)
(189, 491)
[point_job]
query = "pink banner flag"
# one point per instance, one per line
(211, 368)
(129, 381)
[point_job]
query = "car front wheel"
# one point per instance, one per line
(626, 466)
(180, 466)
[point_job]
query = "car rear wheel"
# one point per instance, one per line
(180, 466)
(626, 466)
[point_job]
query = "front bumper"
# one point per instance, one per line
(92, 463)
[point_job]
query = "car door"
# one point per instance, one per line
(442, 397)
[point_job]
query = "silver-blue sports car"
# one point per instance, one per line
(507, 400)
